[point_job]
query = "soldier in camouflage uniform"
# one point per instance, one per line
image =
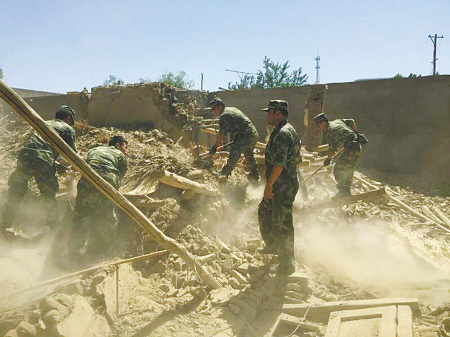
(39, 160)
(342, 131)
(275, 210)
(95, 223)
(243, 133)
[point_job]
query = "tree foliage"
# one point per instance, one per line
(113, 80)
(274, 75)
(1, 73)
(401, 76)
(177, 80)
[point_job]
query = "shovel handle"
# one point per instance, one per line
(321, 167)
(221, 147)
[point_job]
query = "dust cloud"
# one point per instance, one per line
(371, 255)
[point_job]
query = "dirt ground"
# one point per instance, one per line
(359, 251)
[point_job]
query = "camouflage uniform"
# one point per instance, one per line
(275, 215)
(95, 223)
(244, 135)
(37, 159)
(340, 131)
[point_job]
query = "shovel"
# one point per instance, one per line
(321, 167)
(219, 148)
(203, 162)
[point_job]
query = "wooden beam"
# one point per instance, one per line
(368, 196)
(321, 311)
(431, 215)
(16, 102)
(405, 321)
(177, 181)
(442, 216)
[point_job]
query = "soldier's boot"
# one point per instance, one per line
(342, 192)
(269, 249)
(253, 178)
(286, 266)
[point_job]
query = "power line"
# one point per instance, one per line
(434, 50)
(241, 72)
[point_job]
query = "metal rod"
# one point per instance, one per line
(117, 290)
(81, 272)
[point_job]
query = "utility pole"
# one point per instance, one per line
(434, 51)
(317, 68)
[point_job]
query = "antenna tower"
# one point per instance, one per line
(317, 58)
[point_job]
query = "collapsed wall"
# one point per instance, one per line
(405, 120)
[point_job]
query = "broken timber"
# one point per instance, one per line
(321, 311)
(177, 181)
(351, 199)
(102, 185)
(402, 204)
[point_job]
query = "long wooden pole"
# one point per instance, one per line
(103, 186)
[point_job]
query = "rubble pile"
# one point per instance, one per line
(162, 296)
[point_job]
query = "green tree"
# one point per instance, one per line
(1, 73)
(177, 80)
(401, 76)
(113, 80)
(274, 75)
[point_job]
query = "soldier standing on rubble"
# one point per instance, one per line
(39, 160)
(342, 131)
(243, 133)
(275, 210)
(95, 223)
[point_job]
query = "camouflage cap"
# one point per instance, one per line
(320, 118)
(215, 101)
(277, 104)
(66, 110)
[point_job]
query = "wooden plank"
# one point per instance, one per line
(405, 321)
(388, 324)
(366, 313)
(334, 324)
(36, 121)
(321, 311)
(368, 196)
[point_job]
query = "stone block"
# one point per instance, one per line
(25, 329)
(11, 333)
(49, 304)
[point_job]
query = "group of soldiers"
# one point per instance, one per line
(94, 220)
(94, 225)
(282, 157)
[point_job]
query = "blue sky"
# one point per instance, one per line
(62, 46)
